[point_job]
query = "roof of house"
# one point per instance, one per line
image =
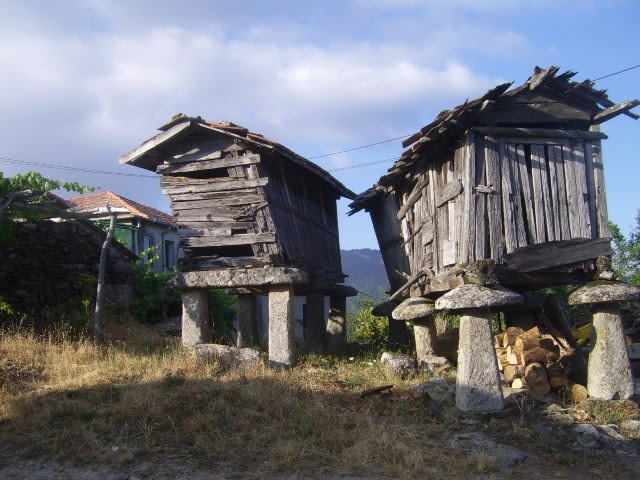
(181, 125)
(450, 123)
(109, 199)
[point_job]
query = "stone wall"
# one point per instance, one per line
(43, 265)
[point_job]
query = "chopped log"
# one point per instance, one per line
(512, 372)
(555, 313)
(518, 383)
(575, 393)
(524, 344)
(532, 333)
(541, 355)
(499, 339)
(536, 378)
(510, 336)
(557, 376)
(373, 391)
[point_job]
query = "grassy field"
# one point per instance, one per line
(143, 398)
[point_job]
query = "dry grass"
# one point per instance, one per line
(142, 396)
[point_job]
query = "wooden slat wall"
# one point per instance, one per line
(492, 195)
(305, 216)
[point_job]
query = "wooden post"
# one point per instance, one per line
(97, 317)
(246, 321)
(315, 326)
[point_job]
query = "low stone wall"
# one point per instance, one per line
(42, 266)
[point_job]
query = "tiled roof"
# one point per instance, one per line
(113, 200)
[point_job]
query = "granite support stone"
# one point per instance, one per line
(247, 335)
(478, 384)
(282, 334)
(609, 376)
(195, 317)
(337, 324)
(314, 329)
(424, 331)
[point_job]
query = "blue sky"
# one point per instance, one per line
(82, 82)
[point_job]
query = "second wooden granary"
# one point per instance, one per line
(252, 216)
(506, 188)
(498, 196)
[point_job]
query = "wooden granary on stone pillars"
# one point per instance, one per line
(255, 218)
(497, 197)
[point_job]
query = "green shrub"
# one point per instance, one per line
(364, 327)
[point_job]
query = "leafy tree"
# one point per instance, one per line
(626, 256)
(364, 327)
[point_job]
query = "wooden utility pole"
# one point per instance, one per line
(97, 332)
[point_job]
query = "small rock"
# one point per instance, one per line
(436, 389)
(631, 427)
(476, 442)
(398, 364)
(435, 365)
(596, 437)
(227, 356)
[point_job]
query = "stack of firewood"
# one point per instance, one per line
(533, 359)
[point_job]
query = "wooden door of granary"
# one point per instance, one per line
(495, 193)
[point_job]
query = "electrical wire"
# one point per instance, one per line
(617, 73)
(72, 169)
(360, 147)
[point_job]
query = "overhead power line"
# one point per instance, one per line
(364, 164)
(72, 169)
(359, 147)
(617, 73)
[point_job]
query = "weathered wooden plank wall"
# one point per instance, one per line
(493, 194)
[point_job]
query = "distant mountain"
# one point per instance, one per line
(366, 272)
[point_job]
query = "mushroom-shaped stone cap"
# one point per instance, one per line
(477, 296)
(603, 291)
(383, 309)
(413, 308)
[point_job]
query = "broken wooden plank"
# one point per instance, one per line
(600, 191)
(561, 252)
(155, 141)
(226, 240)
(614, 111)
(591, 188)
(448, 192)
(205, 165)
(415, 195)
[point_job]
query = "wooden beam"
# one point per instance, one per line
(614, 111)
(539, 132)
(200, 187)
(154, 142)
(448, 192)
(205, 165)
(227, 240)
(416, 194)
(212, 262)
(552, 254)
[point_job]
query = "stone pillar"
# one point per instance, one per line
(424, 332)
(282, 328)
(195, 317)
(609, 374)
(419, 311)
(337, 324)
(314, 329)
(246, 321)
(478, 384)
